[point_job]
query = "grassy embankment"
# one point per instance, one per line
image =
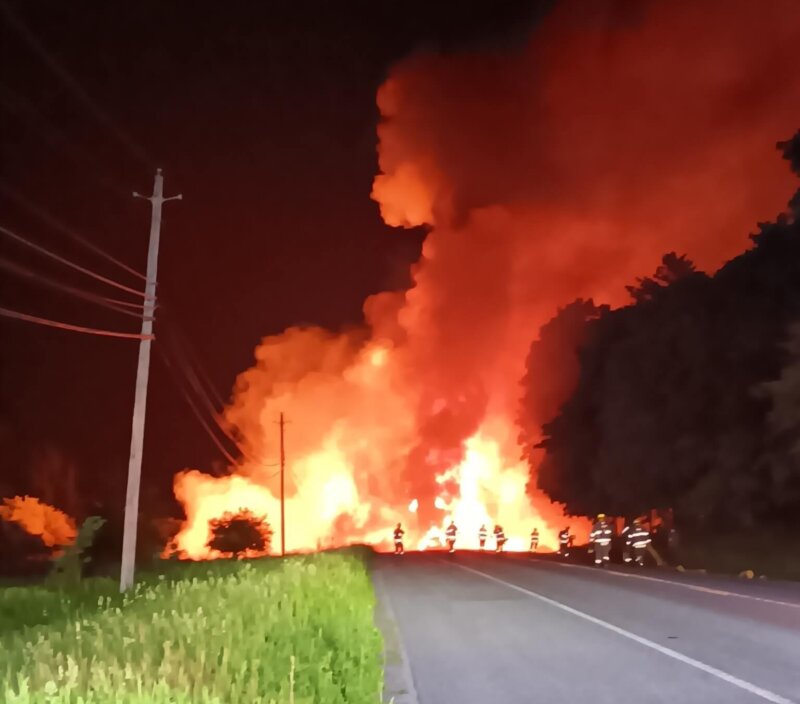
(770, 553)
(298, 630)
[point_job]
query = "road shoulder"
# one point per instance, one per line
(398, 682)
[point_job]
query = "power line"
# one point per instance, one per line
(72, 83)
(29, 114)
(185, 368)
(110, 303)
(194, 408)
(182, 345)
(71, 264)
(17, 315)
(59, 226)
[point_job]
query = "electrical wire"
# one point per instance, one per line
(71, 264)
(28, 114)
(72, 84)
(195, 409)
(17, 315)
(110, 303)
(182, 345)
(59, 226)
(184, 367)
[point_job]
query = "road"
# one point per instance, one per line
(488, 629)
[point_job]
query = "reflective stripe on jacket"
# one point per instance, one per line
(601, 534)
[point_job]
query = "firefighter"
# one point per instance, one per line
(534, 540)
(564, 542)
(398, 540)
(450, 533)
(601, 540)
(499, 538)
(626, 551)
(636, 542)
(482, 533)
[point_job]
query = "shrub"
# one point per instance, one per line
(240, 534)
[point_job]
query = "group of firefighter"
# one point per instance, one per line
(635, 535)
(450, 537)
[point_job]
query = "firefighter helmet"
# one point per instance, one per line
(601, 516)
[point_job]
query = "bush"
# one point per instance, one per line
(240, 534)
(68, 567)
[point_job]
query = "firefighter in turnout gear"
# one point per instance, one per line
(636, 541)
(482, 533)
(564, 542)
(450, 533)
(499, 539)
(535, 540)
(626, 551)
(601, 540)
(398, 540)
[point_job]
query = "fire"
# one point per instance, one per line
(484, 479)
(54, 527)
(561, 171)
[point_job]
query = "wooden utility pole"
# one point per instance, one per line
(142, 375)
(283, 503)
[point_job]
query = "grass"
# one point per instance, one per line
(299, 630)
(765, 552)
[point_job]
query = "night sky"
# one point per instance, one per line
(263, 116)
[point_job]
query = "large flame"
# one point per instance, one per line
(562, 171)
(351, 430)
(54, 527)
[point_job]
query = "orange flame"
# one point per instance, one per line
(350, 434)
(54, 527)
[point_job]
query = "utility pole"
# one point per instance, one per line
(283, 503)
(142, 375)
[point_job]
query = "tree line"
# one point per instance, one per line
(688, 398)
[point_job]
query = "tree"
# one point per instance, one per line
(672, 269)
(604, 449)
(791, 152)
(664, 412)
(552, 369)
(240, 534)
(782, 456)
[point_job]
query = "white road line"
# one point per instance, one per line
(410, 696)
(764, 694)
(693, 587)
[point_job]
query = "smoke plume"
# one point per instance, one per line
(560, 171)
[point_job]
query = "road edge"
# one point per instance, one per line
(398, 681)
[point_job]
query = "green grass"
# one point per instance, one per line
(770, 553)
(299, 630)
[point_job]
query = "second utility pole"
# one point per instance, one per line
(140, 401)
(283, 511)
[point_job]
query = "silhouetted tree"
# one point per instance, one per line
(672, 269)
(664, 413)
(552, 369)
(236, 534)
(782, 456)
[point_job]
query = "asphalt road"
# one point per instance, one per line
(486, 629)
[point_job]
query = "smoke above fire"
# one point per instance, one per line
(563, 170)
